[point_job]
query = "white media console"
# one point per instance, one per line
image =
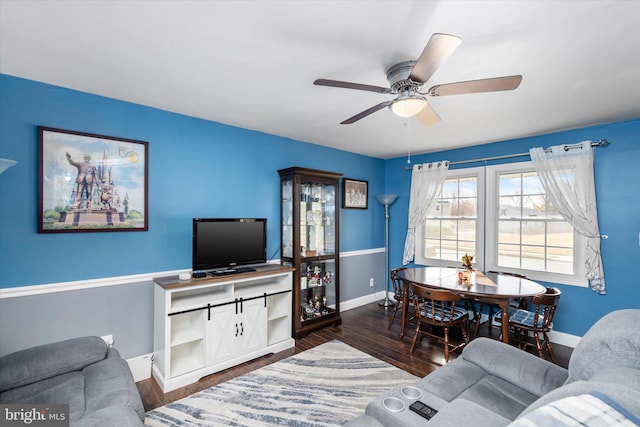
(202, 326)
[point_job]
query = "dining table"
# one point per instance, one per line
(489, 287)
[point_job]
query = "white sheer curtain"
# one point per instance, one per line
(426, 185)
(567, 177)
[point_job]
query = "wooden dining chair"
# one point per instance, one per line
(437, 308)
(535, 323)
(398, 292)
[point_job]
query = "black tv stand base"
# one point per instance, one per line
(229, 271)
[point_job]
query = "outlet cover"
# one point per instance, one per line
(372, 282)
(108, 339)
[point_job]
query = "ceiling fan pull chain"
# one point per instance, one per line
(408, 144)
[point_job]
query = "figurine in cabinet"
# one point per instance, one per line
(327, 277)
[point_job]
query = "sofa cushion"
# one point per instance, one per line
(624, 376)
(452, 379)
(46, 361)
(529, 372)
(110, 383)
(63, 389)
(462, 412)
(612, 341)
(594, 409)
(627, 397)
(499, 396)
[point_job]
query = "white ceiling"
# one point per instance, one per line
(252, 63)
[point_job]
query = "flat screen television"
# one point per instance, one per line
(225, 243)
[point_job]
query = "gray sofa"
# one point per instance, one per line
(84, 373)
(494, 384)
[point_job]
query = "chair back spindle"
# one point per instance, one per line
(398, 292)
(436, 307)
(537, 320)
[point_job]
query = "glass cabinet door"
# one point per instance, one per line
(317, 289)
(317, 219)
(287, 218)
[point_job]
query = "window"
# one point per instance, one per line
(531, 234)
(520, 230)
(455, 225)
(525, 233)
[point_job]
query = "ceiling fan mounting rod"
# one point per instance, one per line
(400, 81)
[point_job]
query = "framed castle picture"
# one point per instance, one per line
(90, 182)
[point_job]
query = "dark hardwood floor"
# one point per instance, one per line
(364, 328)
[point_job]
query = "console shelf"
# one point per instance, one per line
(202, 326)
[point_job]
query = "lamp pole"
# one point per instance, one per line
(387, 200)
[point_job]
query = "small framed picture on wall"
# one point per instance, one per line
(355, 194)
(89, 182)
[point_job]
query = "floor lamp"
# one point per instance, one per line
(387, 200)
(6, 164)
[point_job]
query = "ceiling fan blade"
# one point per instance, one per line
(366, 112)
(348, 85)
(437, 50)
(428, 116)
(475, 86)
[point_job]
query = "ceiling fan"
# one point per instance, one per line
(407, 78)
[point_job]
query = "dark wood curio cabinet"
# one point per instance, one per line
(310, 219)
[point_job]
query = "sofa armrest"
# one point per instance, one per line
(48, 360)
(611, 341)
(535, 375)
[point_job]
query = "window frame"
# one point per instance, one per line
(492, 217)
(488, 207)
(478, 260)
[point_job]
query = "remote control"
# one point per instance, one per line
(423, 410)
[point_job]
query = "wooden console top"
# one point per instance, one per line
(172, 282)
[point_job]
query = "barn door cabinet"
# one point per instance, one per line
(202, 326)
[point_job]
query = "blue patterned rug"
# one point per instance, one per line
(325, 386)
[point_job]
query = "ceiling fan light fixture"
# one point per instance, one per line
(408, 106)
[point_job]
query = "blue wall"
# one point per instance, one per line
(617, 176)
(202, 168)
(197, 168)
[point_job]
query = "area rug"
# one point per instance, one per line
(327, 385)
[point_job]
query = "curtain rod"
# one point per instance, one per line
(567, 147)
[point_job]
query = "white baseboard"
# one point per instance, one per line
(360, 301)
(140, 367)
(565, 339)
(555, 337)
